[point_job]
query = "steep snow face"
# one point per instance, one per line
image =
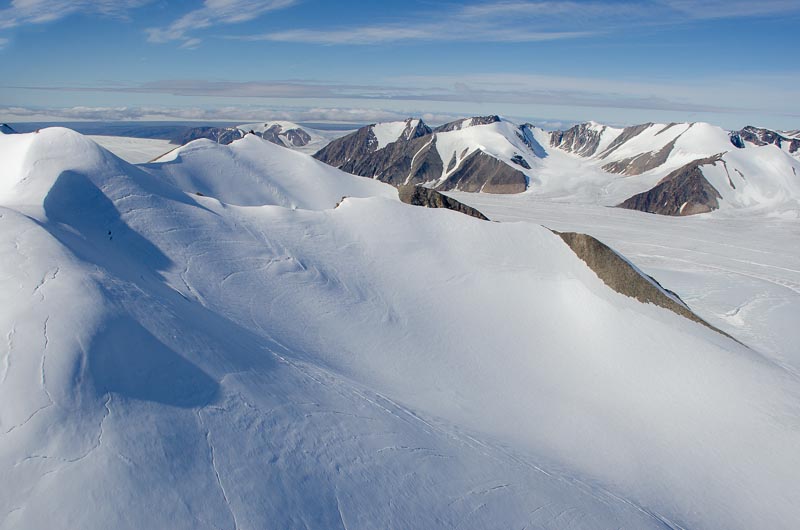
(253, 172)
(389, 132)
(175, 360)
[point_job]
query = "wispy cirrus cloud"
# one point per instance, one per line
(711, 9)
(22, 12)
(486, 22)
(213, 13)
(527, 21)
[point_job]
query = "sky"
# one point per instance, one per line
(732, 63)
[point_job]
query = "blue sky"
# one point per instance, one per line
(728, 62)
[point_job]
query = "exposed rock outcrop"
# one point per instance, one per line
(685, 191)
(289, 137)
(467, 122)
(618, 274)
(221, 135)
(636, 165)
(582, 139)
(421, 196)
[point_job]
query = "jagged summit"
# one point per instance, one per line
(481, 154)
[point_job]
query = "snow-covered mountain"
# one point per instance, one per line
(283, 133)
(688, 168)
(482, 154)
(290, 359)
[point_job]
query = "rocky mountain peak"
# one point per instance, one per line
(467, 122)
(760, 136)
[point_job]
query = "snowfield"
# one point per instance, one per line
(263, 358)
(134, 150)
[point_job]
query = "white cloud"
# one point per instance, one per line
(213, 13)
(697, 94)
(398, 33)
(22, 12)
(227, 114)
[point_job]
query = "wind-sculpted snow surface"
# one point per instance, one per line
(177, 360)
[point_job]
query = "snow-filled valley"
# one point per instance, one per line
(244, 337)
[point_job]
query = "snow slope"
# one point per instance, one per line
(174, 360)
(738, 269)
(134, 150)
(253, 172)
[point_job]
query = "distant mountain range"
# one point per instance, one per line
(283, 133)
(680, 168)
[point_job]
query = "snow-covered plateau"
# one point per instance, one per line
(241, 336)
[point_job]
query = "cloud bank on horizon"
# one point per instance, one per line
(606, 60)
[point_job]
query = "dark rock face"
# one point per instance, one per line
(623, 278)
(760, 136)
(685, 191)
(468, 122)
(420, 196)
(415, 129)
(636, 165)
(413, 159)
(352, 153)
(6, 129)
(580, 139)
(485, 173)
(403, 162)
(518, 160)
(352, 147)
(221, 135)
